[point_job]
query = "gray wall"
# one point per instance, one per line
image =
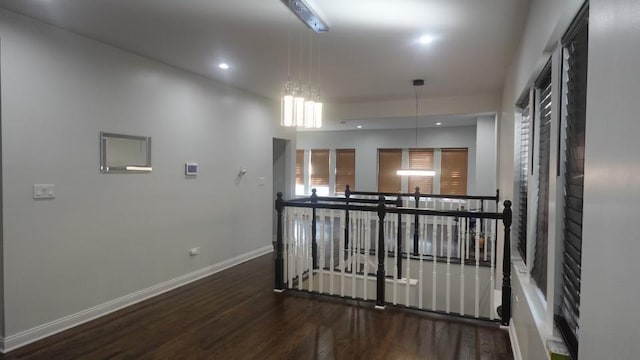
(486, 155)
(609, 306)
(367, 143)
(108, 235)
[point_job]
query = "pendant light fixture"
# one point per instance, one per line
(288, 108)
(417, 84)
(309, 104)
(298, 110)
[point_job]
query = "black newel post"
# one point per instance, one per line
(399, 239)
(314, 238)
(505, 310)
(347, 194)
(381, 254)
(279, 245)
(482, 222)
(416, 225)
(496, 220)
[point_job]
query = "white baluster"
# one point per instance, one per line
(395, 262)
(448, 295)
(299, 248)
(434, 233)
(486, 237)
(310, 248)
(367, 248)
(441, 221)
(341, 250)
(434, 275)
(285, 237)
(408, 242)
(462, 260)
(492, 274)
(321, 216)
(331, 261)
(422, 231)
(466, 235)
(353, 241)
(477, 269)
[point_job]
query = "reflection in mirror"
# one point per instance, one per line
(124, 153)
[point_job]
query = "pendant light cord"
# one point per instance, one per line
(300, 51)
(310, 62)
(289, 43)
(417, 92)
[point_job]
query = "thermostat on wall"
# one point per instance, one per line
(191, 169)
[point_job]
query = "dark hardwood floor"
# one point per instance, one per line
(235, 315)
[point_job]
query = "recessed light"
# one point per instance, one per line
(438, 123)
(224, 66)
(426, 39)
(359, 126)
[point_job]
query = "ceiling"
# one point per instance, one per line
(433, 121)
(370, 53)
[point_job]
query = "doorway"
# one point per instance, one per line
(280, 151)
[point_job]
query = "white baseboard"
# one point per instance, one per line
(515, 346)
(23, 338)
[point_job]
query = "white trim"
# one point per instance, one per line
(23, 338)
(515, 345)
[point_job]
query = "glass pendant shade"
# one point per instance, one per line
(298, 110)
(317, 115)
(287, 111)
(309, 107)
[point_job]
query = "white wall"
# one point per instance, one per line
(546, 23)
(367, 143)
(609, 313)
(608, 310)
(108, 235)
(486, 171)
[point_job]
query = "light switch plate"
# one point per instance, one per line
(44, 191)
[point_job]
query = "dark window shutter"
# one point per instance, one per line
(421, 159)
(575, 87)
(453, 173)
(319, 168)
(300, 167)
(389, 161)
(523, 186)
(539, 269)
(345, 169)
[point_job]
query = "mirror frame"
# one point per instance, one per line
(104, 136)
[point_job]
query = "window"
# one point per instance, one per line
(539, 269)
(389, 161)
(345, 169)
(421, 159)
(320, 172)
(299, 172)
(575, 88)
(453, 174)
(523, 178)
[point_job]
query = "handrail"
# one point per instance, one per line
(403, 210)
(382, 209)
(436, 196)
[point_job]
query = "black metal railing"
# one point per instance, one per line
(353, 206)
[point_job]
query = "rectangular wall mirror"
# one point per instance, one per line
(124, 153)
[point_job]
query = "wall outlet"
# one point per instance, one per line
(44, 191)
(194, 251)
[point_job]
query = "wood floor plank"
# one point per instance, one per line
(235, 314)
